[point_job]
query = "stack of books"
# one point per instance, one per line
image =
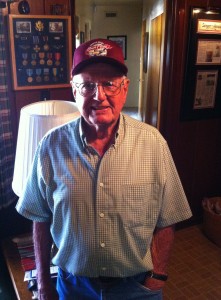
(25, 248)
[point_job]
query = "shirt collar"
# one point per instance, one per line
(81, 133)
(119, 134)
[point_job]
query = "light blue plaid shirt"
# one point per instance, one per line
(103, 211)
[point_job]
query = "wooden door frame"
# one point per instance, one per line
(154, 74)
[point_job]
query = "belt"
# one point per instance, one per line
(113, 280)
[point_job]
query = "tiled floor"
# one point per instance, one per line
(195, 267)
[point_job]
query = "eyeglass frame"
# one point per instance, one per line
(118, 88)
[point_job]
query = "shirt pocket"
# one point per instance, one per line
(140, 205)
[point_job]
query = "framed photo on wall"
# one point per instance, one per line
(121, 40)
(209, 26)
(145, 51)
(41, 52)
(205, 91)
(208, 52)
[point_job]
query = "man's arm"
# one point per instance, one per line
(160, 250)
(42, 246)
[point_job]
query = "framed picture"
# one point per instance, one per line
(58, 9)
(41, 52)
(23, 27)
(56, 27)
(121, 40)
(145, 51)
(209, 26)
(205, 92)
(82, 37)
(208, 52)
(202, 82)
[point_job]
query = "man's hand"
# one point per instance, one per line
(160, 251)
(154, 284)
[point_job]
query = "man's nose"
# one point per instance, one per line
(99, 94)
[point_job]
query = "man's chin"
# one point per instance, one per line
(101, 120)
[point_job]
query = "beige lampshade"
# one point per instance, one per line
(36, 120)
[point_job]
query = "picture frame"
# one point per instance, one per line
(205, 90)
(208, 52)
(202, 78)
(121, 40)
(82, 37)
(145, 51)
(40, 50)
(206, 26)
(58, 9)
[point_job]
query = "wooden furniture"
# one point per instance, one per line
(16, 272)
(212, 219)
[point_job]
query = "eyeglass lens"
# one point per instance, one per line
(89, 88)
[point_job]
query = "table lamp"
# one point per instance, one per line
(36, 120)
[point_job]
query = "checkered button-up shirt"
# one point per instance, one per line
(103, 211)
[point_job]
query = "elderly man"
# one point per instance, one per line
(104, 189)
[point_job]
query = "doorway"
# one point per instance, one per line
(116, 19)
(154, 73)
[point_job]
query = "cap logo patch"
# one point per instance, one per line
(98, 49)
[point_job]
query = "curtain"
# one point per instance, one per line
(7, 153)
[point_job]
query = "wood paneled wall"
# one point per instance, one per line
(195, 145)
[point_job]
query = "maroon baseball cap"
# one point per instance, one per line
(98, 51)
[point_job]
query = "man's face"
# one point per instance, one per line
(102, 108)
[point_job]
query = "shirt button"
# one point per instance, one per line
(102, 245)
(101, 184)
(101, 215)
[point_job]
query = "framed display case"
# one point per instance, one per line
(202, 83)
(41, 52)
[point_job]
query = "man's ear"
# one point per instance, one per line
(127, 80)
(73, 89)
(126, 83)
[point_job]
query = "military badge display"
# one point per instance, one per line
(40, 50)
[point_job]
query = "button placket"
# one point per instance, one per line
(102, 205)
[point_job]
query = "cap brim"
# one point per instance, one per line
(99, 59)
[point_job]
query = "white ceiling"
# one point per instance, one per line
(84, 4)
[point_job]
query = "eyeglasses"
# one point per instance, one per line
(89, 88)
